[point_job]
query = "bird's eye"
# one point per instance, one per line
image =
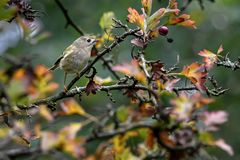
(88, 40)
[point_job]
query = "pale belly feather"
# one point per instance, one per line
(74, 63)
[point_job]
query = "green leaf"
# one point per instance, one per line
(106, 21)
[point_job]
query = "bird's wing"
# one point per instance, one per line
(69, 50)
(66, 52)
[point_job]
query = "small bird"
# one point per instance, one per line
(75, 57)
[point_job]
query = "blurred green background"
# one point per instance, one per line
(218, 24)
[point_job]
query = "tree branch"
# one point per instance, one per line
(79, 90)
(14, 153)
(227, 63)
(69, 20)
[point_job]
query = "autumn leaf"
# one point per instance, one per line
(106, 23)
(224, 146)
(150, 139)
(71, 107)
(169, 84)
(41, 83)
(209, 57)
(44, 112)
(147, 5)
(49, 140)
(102, 81)
(131, 69)
(173, 4)
(92, 87)
(135, 18)
(182, 20)
(106, 37)
(213, 119)
(166, 139)
(157, 70)
(184, 105)
(19, 74)
(65, 140)
(147, 109)
(183, 108)
(197, 74)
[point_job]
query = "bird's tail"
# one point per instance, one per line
(56, 64)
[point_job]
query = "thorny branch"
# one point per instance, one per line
(79, 90)
(14, 153)
(226, 62)
(69, 20)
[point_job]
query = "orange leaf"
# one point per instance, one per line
(183, 20)
(51, 87)
(72, 107)
(136, 18)
(131, 69)
(19, 74)
(150, 140)
(147, 109)
(209, 57)
(42, 71)
(43, 110)
(197, 74)
(165, 138)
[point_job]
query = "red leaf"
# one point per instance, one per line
(183, 20)
(92, 87)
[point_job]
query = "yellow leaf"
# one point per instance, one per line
(102, 81)
(44, 112)
(71, 107)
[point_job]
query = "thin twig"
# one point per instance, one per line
(78, 90)
(69, 20)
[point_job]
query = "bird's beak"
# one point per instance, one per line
(95, 41)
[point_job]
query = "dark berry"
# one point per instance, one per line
(170, 40)
(163, 30)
